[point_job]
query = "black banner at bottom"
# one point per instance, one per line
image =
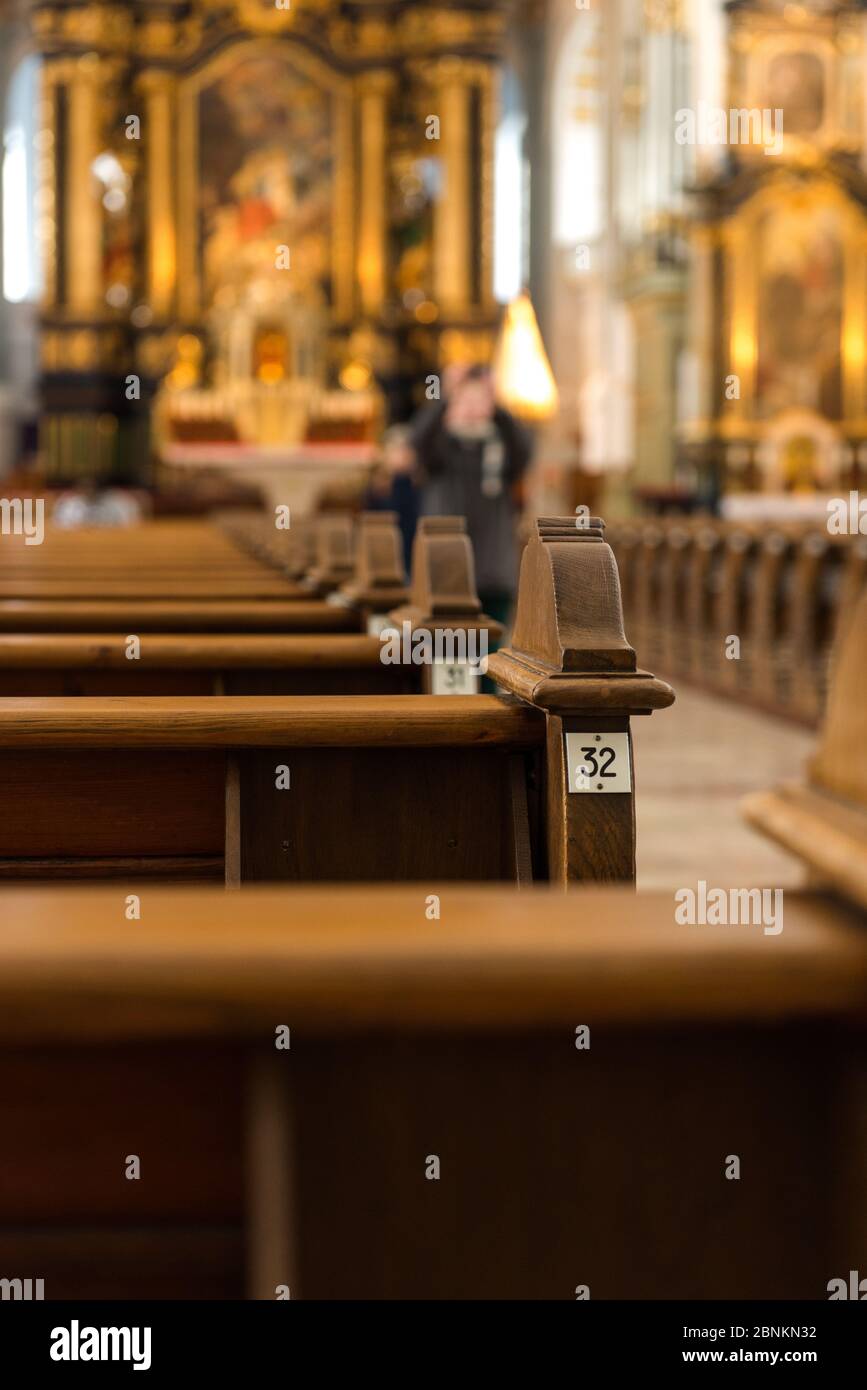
(163, 1341)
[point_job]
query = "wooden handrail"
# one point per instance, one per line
(250, 721)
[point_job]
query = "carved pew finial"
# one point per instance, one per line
(443, 569)
(443, 585)
(568, 648)
(569, 657)
(301, 548)
(379, 581)
(335, 552)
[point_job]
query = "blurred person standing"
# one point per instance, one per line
(392, 486)
(471, 459)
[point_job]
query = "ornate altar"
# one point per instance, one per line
(262, 222)
(779, 259)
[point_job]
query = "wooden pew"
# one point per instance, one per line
(701, 644)
(770, 581)
(174, 615)
(824, 820)
(155, 560)
(671, 615)
(648, 561)
(247, 663)
(813, 614)
(334, 564)
(160, 577)
(736, 587)
(316, 663)
(443, 598)
(409, 788)
(784, 591)
(570, 1162)
(378, 582)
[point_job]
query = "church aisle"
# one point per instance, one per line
(692, 770)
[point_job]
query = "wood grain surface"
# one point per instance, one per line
(187, 651)
(334, 721)
(202, 960)
(179, 615)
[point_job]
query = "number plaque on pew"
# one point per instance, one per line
(598, 762)
(445, 606)
(454, 678)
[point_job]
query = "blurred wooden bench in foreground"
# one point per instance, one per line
(414, 1038)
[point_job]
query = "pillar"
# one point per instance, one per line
(159, 121)
(374, 89)
(453, 250)
(83, 221)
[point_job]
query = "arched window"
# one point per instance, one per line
(578, 126)
(21, 261)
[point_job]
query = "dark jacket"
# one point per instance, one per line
(475, 477)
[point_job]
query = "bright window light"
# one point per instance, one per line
(21, 263)
(509, 204)
(16, 228)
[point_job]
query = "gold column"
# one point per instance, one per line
(83, 220)
(490, 84)
(46, 144)
(343, 211)
(702, 321)
(854, 334)
(373, 88)
(452, 239)
(161, 234)
(741, 262)
(187, 166)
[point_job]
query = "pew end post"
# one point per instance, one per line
(443, 599)
(569, 658)
(335, 553)
(379, 582)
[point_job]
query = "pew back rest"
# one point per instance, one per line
(824, 820)
(405, 787)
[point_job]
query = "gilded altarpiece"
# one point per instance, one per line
(258, 201)
(780, 259)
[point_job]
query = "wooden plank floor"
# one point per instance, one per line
(693, 765)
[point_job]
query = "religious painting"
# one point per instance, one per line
(265, 155)
(800, 309)
(796, 86)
